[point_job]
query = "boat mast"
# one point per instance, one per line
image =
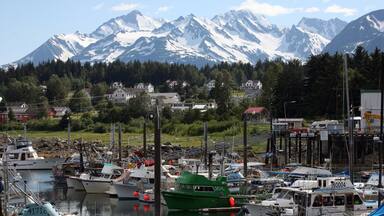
(350, 129)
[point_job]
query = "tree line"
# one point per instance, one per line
(316, 85)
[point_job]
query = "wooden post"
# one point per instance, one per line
(119, 142)
(145, 139)
(205, 144)
(289, 147)
(281, 141)
(300, 148)
(285, 149)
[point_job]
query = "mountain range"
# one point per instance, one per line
(233, 36)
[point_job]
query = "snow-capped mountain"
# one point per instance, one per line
(233, 36)
(325, 28)
(62, 46)
(133, 21)
(302, 43)
(366, 31)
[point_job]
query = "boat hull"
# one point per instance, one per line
(96, 186)
(75, 183)
(185, 201)
(40, 164)
(125, 191)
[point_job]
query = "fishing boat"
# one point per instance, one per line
(194, 191)
(102, 184)
(20, 154)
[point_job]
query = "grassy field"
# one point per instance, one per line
(136, 139)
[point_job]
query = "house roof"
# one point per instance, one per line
(166, 95)
(254, 110)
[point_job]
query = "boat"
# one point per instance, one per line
(333, 196)
(20, 154)
(75, 182)
(128, 188)
(102, 184)
(194, 192)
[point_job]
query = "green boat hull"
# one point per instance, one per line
(187, 201)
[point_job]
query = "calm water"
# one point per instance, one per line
(81, 203)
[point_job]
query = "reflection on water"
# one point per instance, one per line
(83, 204)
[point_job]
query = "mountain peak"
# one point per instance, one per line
(326, 28)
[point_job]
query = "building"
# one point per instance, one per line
(21, 110)
(123, 95)
(174, 83)
(370, 110)
(116, 85)
(147, 87)
(252, 84)
(257, 114)
(165, 98)
(210, 85)
(58, 112)
(293, 123)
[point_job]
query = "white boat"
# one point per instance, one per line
(75, 182)
(21, 155)
(333, 196)
(103, 184)
(128, 188)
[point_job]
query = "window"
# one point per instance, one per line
(319, 183)
(317, 202)
(349, 199)
(327, 201)
(203, 188)
(357, 200)
(339, 200)
(22, 156)
(324, 183)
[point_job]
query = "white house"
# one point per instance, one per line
(252, 84)
(165, 98)
(210, 85)
(117, 85)
(121, 95)
(149, 88)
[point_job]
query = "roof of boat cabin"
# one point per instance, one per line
(188, 178)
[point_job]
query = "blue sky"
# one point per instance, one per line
(26, 24)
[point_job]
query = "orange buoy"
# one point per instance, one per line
(146, 197)
(136, 194)
(231, 201)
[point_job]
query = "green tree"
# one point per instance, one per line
(42, 107)
(98, 92)
(80, 102)
(57, 90)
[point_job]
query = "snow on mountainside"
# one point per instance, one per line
(366, 31)
(133, 21)
(326, 28)
(62, 46)
(233, 36)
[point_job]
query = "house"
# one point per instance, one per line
(293, 123)
(210, 85)
(58, 112)
(148, 88)
(174, 83)
(165, 98)
(252, 84)
(116, 85)
(257, 114)
(21, 110)
(123, 95)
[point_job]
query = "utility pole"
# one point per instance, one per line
(381, 133)
(350, 129)
(205, 144)
(120, 143)
(245, 142)
(157, 161)
(145, 138)
(69, 133)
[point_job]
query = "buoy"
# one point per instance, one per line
(146, 208)
(231, 201)
(136, 194)
(136, 207)
(146, 197)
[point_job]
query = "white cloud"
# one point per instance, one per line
(312, 10)
(163, 9)
(124, 6)
(340, 10)
(264, 8)
(98, 6)
(271, 10)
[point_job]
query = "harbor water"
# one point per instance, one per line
(83, 204)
